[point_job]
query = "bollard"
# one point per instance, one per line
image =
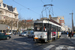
(58, 34)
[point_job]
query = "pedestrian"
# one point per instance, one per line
(67, 33)
(44, 28)
(70, 34)
(5, 32)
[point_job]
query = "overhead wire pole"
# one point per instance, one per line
(72, 22)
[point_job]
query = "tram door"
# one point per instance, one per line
(49, 32)
(57, 31)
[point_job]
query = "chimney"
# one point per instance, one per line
(49, 16)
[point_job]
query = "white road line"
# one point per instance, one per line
(70, 48)
(59, 47)
(49, 47)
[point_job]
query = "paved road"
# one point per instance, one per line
(24, 43)
(63, 43)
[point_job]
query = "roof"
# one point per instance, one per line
(29, 20)
(54, 22)
(51, 20)
(10, 8)
(54, 17)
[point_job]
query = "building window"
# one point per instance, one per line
(0, 12)
(15, 16)
(9, 14)
(0, 4)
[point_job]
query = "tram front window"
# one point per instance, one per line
(38, 27)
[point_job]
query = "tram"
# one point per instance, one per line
(46, 30)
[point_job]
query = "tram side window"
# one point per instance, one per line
(53, 28)
(59, 29)
(45, 28)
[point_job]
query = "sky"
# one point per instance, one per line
(31, 9)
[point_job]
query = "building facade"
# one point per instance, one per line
(8, 15)
(74, 28)
(26, 24)
(59, 19)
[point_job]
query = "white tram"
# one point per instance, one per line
(46, 30)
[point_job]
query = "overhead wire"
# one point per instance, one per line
(48, 9)
(25, 7)
(42, 2)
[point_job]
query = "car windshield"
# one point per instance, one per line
(24, 32)
(1, 33)
(32, 33)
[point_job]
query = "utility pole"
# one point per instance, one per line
(72, 22)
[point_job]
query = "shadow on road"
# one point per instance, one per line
(30, 41)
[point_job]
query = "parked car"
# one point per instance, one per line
(8, 33)
(4, 36)
(23, 34)
(31, 34)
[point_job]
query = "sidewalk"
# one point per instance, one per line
(72, 39)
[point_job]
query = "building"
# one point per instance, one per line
(26, 24)
(74, 28)
(59, 19)
(8, 16)
(30, 24)
(3, 27)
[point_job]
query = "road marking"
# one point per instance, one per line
(62, 47)
(49, 47)
(70, 48)
(59, 47)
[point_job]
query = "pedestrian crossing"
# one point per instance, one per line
(49, 47)
(60, 47)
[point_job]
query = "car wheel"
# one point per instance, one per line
(8, 38)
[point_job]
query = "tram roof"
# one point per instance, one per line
(48, 21)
